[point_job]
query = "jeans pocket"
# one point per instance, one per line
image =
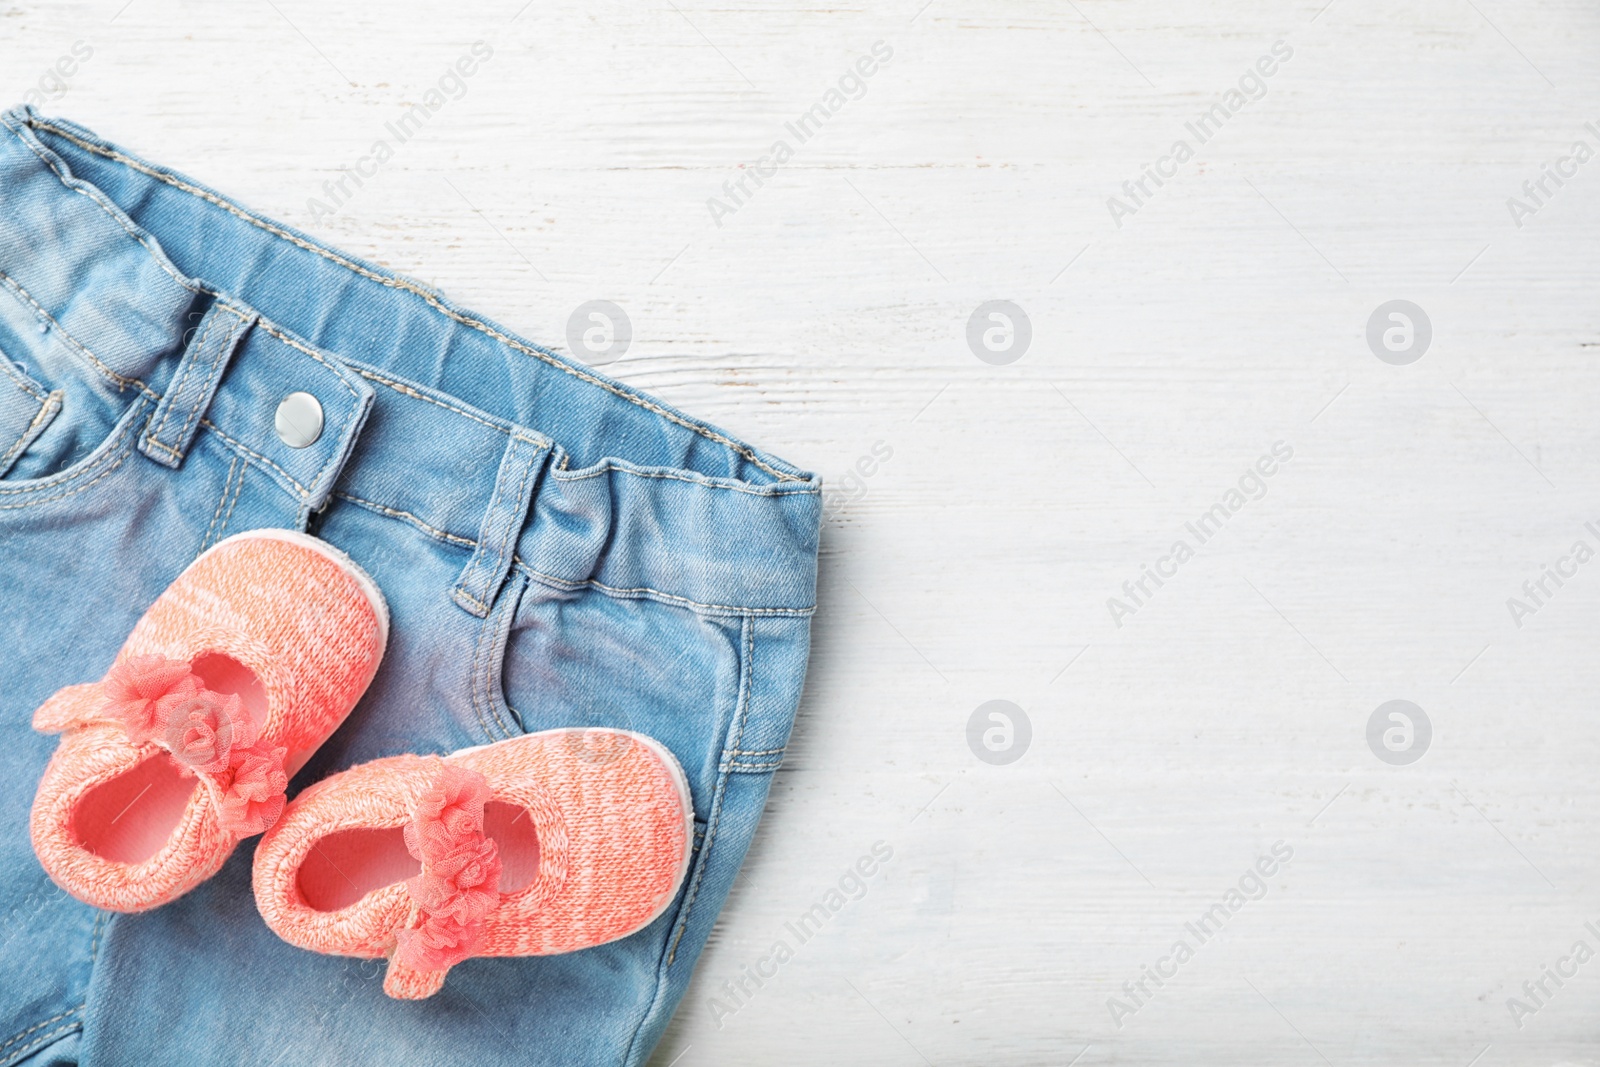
(62, 468)
(586, 658)
(59, 405)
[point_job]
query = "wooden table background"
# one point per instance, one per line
(826, 318)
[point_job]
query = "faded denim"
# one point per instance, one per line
(556, 548)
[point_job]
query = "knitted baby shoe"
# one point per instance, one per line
(543, 844)
(251, 658)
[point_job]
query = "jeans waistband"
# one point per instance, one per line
(433, 415)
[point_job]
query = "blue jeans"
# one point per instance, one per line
(556, 548)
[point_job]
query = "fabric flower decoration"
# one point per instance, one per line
(202, 731)
(462, 883)
(436, 945)
(209, 735)
(141, 691)
(252, 790)
(459, 882)
(450, 811)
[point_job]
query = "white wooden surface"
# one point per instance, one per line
(828, 313)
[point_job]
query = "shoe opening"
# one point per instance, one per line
(130, 818)
(223, 674)
(347, 865)
(512, 829)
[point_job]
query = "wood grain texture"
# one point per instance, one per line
(828, 313)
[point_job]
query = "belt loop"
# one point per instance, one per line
(177, 417)
(514, 486)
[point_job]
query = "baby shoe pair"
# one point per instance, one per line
(542, 844)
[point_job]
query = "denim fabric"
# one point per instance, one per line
(556, 549)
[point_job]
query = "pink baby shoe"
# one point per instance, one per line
(233, 678)
(543, 844)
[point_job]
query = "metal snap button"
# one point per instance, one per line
(299, 420)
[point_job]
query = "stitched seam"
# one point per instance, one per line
(478, 681)
(476, 562)
(355, 412)
(607, 466)
(746, 669)
(394, 283)
(590, 583)
(754, 766)
(225, 345)
(175, 390)
(429, 298)
(563, 583)
(208, 424)
(339, 375)
(22, 294)
(19, 379)
(406, 516)
(313, 353)
(238, 487)
(401, 387)
(482, 677)
(98, 198)
(489, 634)
(47, 1022)
(501, 542)
(120, 442)
(161, 261)
(47, 1037)
(47, 410)
(94, 938)
(464, 595)
(123, 381)
(746, 683)
(66, 479)
(602, 469)
(73, 492)
(227, 483)
(704, 860)
(222, 498)
(164, 448)
(494, 684)
(760, 752)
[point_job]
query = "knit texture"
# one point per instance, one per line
(292, 617)
(613, 820)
